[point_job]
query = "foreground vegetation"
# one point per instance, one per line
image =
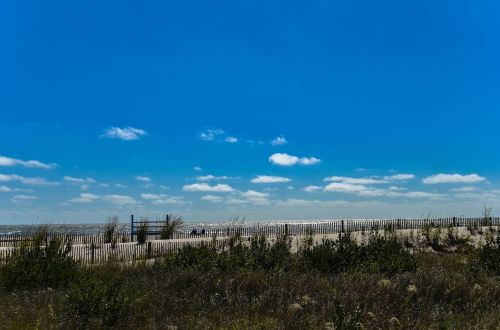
(386, 283)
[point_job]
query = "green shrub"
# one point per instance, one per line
(101, 299)
(37, 265)
(275, 256)
(487, 258)
(331, 256)
(383, 254)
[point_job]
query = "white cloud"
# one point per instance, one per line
(84, 198)
(396, 188)
(212, 177)
(249, 197)
(309, 160)
(197, 169)
(365, 191)
(120, 200)
(209, 134)
(73, 180)
(143, 178)
(270, 179)
(255, 197)
(279, 140)
(169, 200)
(212, 198)
(208, 188)
(152, 196)
(36, 181)
(160, 199)
(283, 159)
(345, 187)
(231, 139)
(465, 189)
(4, 188)
(349, 180)
(312, 188)
(399, 177)
(23, 198)
(119, 185)
(7, 161)
(453, 178)
(255, 194)
(126, 133)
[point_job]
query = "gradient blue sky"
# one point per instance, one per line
(130, 106)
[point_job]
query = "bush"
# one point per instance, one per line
(101, 299)
(383, 254)
(487, 258)
(33, 266)
(260, 255)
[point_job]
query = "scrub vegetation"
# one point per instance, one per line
(388, 282)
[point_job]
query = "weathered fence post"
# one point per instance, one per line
(286, 229)
(454, 221)
(343, 229)
(131, 227)
(92, 251)
(149, 250)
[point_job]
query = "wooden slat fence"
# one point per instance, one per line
(92, 248)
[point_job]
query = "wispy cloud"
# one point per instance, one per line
(120, 200)
(78, 181)
(7, 161)
(283, 159)
(4, 188)
(279, 140)
(366, 191)
(212, 198)
(465, 189)
(197, 169)
(216, 134)
(143, 178)
(270, 179)
(23, 198)
(209, 134)
(349, 180)
(399, 177)
(36, 181)
(124, 133)
(453, 178)
(160, 199)
(371, 179)
(212, 177)
(205, 187)
(345, 187)
(247, 197)
(312, 188)
(84, 198)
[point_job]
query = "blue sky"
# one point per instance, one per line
(376, 109)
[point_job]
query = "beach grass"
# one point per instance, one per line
(341, 284)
